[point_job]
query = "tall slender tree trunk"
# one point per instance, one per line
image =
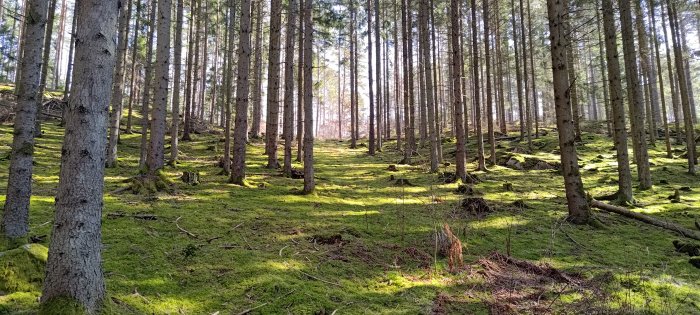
(518, 73)
(652, 100)
(675, 99)
(289, 87)
(477, 102)
(300, 84)
(133, 77)
(257, 74)
(430, 106)
(455, 88)
(118, 88)
(579, 211)
(273, 84)
(69, 67)
(635, 96)
(45, 65)
(309, 182)
(683, 86)
(191, 66)
(226, 163)
(156, 152)
(534, 105)
(73, 268)
(397, 111)
(242, 91)
(15, 219)
(370, 85)
(624, 193)
(606, 95)
(177, 82)
(146, 98)
(59, 42)
(526, 76)
(378, 64)
(353, 87)
(655, 47)
(489, 95)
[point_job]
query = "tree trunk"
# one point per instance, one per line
(683, 86)
(73, 268)
(675, 99)
(229, 87)
(370, 85)
(156, 152)
(257, 74)
(300, 84)
(59, 41)
(635, 96)
(242, 89)
(659, 70)
(289, 87)
(378, 64)
(489, 95)
(624, 194)
(647, 219)
(134, 76)
(652, 99)
(477, 102)
(15, 220)
(579, 211)
(518, 73)
(45, 64)
(455, 88)
(430, 106)
(146, 98)
(526, 76)
(534, 79)
(309, 182)
(177, 54)
(69, 68)
(118, 88)
(273, 85)
(353, 87)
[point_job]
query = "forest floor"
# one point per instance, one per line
(360, 244)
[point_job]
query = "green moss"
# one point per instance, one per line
(254, 244)
(62, 306)
(22, 269)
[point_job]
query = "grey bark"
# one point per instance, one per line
(156, 152)
(146, 98)
(242, 91)
(636, 101)
(289, 87)
(425, 46)
(579, 211)
(489, 95)
(177, 82)
(257, 74)
(624, 194)
(118, 87)
(134, 77)
(273, 85)
(481, 164)
(309, 181)
(45, 63)
(370, 84)
(73, 268)
(455, 88)
(15, 220)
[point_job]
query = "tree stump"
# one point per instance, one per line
(190, 178)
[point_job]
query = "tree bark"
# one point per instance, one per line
(430, 106)
(118, 88)
(146, 98)
(370, 85)
(134, 76)
(481, 164)
(273, 85)
(635, 96)
(624, 194)
(177, 54)
(73, 268)
(489, 95)
(659, 72)
(15, 220)
(579, 211)
(257, 74)
(242, 89)
(289, 87)
(646, 219)
(309, 182)
(156, 152)
(455, 88)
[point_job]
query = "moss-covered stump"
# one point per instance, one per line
(190, 178)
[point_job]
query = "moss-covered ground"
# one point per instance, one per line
(359, 245)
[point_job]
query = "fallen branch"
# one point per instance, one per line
(183, 230)
(646, 219)
(319, 279)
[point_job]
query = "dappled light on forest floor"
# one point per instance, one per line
(360, 244)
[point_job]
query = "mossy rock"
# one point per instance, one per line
(22, 268)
